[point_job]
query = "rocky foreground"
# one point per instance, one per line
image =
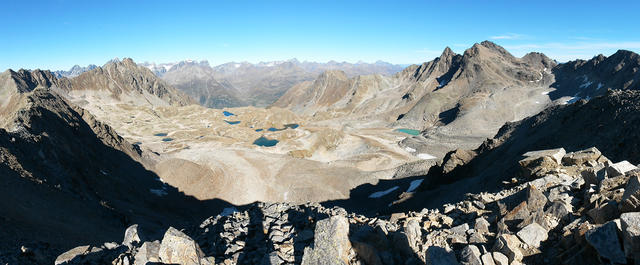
(563, 208)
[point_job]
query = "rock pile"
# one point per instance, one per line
(566, 208)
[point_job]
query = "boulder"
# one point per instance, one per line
(414, 233)
(593, 175)
(533, 234)
(470, 255)
(582, 157)
(71, 254)
(177, 247)
(604, 213)
(620, 168)
(331, 243)
(605, 240)
(535, 199)
(439, 256)
(554, 154)
(500, 259)
(131, 236)
(509, 245)
(630, 224)
(487, 259)
(456, 158)
(631, 196)
(148, 252)
(481, 225)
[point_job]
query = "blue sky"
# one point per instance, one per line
(58, 34)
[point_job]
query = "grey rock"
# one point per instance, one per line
(630, 224)
(176, 247)
(533, 234)
(331, 244)
(500, 259)
(131, 237)
(470, 255)
(582, 157)
(555, 154)
(605, 240)
(487, 259)
(535, 199)
(604, 213)
(620, 168)
(71, 254)
(481, 225)
(414, 233)
(148, 252)
(440, 256)
(509, 245)
(460, 229)
(631, 196)
(367, 252)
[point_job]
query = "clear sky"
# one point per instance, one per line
(58, 34)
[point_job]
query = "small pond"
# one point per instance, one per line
(160, 134)
(167, 139)
(264, 141)
(259, 130)
(408, 131)
(232, 122)
(286, 126)
(227, 114)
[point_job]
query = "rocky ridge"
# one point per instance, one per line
(125, 82)
(564, 208)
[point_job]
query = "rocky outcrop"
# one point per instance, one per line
(542, 219)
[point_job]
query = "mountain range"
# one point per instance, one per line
(247, 84)
(474, 158)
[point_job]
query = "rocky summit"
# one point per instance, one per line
(577, 208)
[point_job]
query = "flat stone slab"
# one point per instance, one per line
(555, 154)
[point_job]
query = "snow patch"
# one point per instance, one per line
(414, 185)
(572, 100)
(409, 149)
(382, 193)
(158, 192)
(545, 93)
(425, 156)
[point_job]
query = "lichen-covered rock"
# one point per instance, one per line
(630, 224)
(331, 243)
(533, 234)
(620, 168)
(555, 155)
(177, 247)
(582, 157)
(509, 245)
(631, 197)
(605, 240)
(71, 254)
(148, 252)
(470, 255)
(131, 236)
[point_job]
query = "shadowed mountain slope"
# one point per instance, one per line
(71, 179)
